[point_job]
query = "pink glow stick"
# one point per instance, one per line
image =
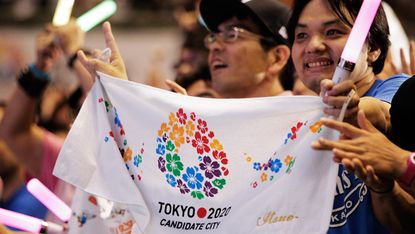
(360, 30)
(49, 199)
(20, 221)
(356, 39)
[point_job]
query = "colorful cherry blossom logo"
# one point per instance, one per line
(206, 178)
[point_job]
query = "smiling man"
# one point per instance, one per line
(248, 47)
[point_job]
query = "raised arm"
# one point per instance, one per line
(70, 40)
(17, 127)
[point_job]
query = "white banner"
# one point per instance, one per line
(152, 161)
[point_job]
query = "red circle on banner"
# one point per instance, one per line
(201, 212)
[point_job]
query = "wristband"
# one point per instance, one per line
(33, 81)
(409, 175)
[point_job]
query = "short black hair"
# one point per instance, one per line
(378, 37)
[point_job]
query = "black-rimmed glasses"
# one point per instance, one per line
(231, 35)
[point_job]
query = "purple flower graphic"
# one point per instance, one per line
(162, 164)
(211, 168)
(182, 186)
(209, 190)
(192, 178)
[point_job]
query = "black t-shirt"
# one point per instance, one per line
(403, 116)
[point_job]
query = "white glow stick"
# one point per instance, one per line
(28, 223)
(20, 221)
(49, 199)
(63, 12)
(356, 39)
(96, 15)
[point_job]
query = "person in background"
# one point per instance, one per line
(192, 71)
(15, 196)
(35, 147)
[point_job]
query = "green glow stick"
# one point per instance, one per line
(96, 15)
(62, 12)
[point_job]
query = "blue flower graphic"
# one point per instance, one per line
(137, 160)
(171, 179)
(117, 119)
(193, 179)
(257, 166)
(161, 149)
(276, 165)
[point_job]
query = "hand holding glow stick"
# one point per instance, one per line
(28, 223)
(96, 15)
(356, 39)
(49, 199)
(63, 12)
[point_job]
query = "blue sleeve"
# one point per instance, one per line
(387, 89)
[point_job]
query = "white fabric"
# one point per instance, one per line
(259, 172)
(397, 36)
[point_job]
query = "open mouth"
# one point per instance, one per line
(216, 65)
(319, 64)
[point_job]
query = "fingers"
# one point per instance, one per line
(176, 87)
(325, 86)
(86, 62)
(110, 40)
(412, 57)
(341, 89)
(348, 150)
(346, 129)
(405, 66)
(337, 96)
(355, 166)
(371, 178)
(96, 53)
(339, 155)
(348, 164)
(360, 170)
(364, 123)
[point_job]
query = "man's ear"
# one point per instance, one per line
(277, 59)
(373, 55)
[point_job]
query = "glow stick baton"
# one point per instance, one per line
(49, 199)
(356, 39)
(63, 12)
(96, 15)
(20, 221)
(28, 223)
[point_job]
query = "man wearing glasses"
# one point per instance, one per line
(248, 47)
